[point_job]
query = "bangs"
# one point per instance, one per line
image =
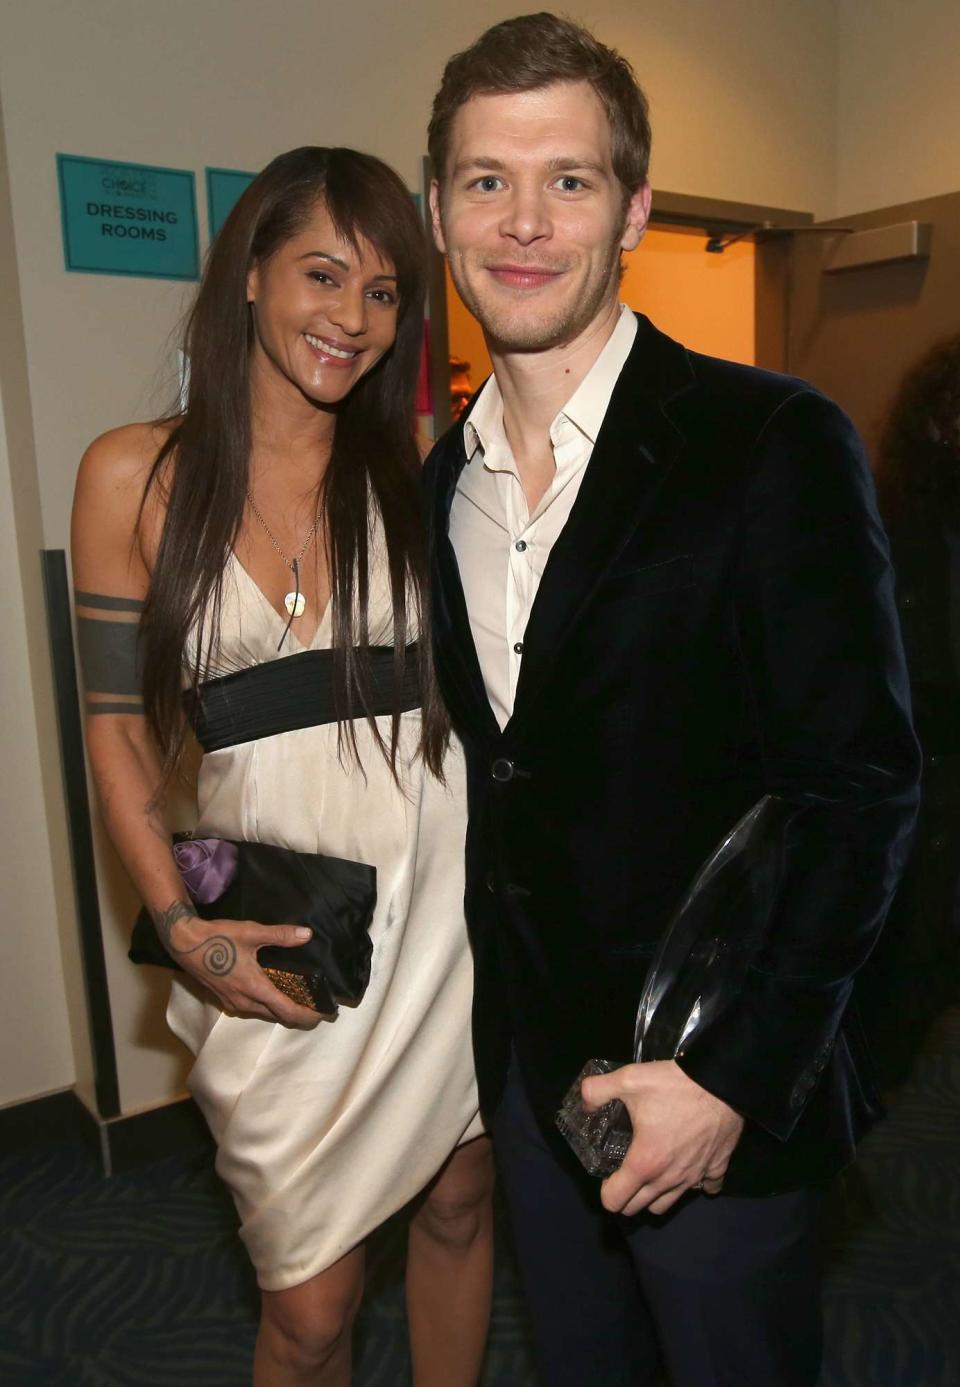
(368, 202)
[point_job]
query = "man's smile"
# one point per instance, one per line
(523, 276)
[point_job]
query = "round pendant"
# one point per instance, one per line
(295, 603)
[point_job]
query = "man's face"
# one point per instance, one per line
(531, 216)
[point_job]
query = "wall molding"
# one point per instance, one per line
(126, 1142)
(69, 725)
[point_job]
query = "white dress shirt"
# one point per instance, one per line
(501, 548)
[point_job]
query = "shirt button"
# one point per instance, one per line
(520, 545)
(518, 647)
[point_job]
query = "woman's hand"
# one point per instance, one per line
(222, 954)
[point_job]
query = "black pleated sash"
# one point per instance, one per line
(292, 692)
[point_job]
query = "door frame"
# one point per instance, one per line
(712, 218)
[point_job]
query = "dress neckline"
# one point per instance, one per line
(281, 621)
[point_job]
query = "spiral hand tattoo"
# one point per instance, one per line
(219, 954)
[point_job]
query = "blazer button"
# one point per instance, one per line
(492, 883)
(503, 770)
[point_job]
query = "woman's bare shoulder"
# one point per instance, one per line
(111, 504)
(122, 458)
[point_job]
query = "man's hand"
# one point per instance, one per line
(683, 1137)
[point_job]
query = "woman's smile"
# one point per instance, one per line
(331, 352)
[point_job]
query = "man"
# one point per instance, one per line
(661, 592)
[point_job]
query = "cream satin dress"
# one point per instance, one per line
(323, 1134)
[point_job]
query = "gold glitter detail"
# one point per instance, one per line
(292, 985)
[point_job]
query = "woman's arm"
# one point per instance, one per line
(111, 577)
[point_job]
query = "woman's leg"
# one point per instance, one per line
(450, 1270)
(305, 1331)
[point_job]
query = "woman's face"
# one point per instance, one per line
(323, 313)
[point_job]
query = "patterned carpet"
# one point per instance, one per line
(139, 1281)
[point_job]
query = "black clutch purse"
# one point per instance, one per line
(277, 886)
(696, 972)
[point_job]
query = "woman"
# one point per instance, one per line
(915, 971)
(279, 514)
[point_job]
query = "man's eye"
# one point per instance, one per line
(568, 183)
(488, 184)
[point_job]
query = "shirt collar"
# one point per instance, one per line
(588, 404)
(485, 424)
(585, 409)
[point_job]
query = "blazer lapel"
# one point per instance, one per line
(635, 449)
(458, 665)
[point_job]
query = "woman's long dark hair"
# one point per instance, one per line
(919, 455)
(203, 466)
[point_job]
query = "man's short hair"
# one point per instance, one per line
(533, 51)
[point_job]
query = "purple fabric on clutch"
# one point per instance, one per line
(207, 865)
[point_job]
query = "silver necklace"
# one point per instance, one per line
(294, 602)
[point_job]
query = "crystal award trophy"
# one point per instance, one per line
(696, 972)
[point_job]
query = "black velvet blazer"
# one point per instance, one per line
(715, 621)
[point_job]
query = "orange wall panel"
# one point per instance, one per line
(466, 336)
(704, 301)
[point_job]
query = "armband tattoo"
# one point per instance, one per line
(111, 655)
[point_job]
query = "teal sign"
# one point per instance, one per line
(224, 186)
(128, 219)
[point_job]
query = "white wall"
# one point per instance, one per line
(231, 82)
(36, 1046)
(899, 102)
(743, 100)
(43, 1041)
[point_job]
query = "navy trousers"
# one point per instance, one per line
(720, 1292)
